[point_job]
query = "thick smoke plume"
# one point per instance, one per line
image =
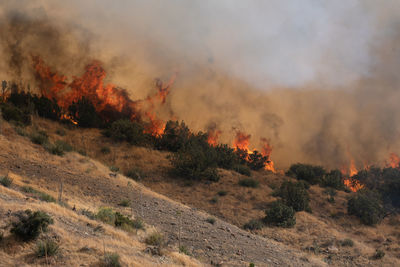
(322, 87)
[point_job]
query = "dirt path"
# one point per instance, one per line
(218, 243)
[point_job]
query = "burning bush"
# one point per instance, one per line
(256, 161)
(84, 113)
(280, 214)
(294, 195)
(366, 206)
(176, 135)
(309, 173)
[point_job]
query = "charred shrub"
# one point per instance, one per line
(126, 130)
(176, 136)
(12, 113)
(294, 195)
(280, 215)
(31, 224)
(311, 174)
(366, 206)
(85, 114)
(256, 161)
(333, 179)
(47, 108)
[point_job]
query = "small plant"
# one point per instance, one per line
(252, 264)
(347, 243)
(184, 250)
(31, 224)
(39, 137)
(155, 239)
(253, 224)
(222, 193)
(242, 169)
(280, 215)
(106, 215)
(105, 150)
(210, 220)
(110, 260)
(114, 169)
(46, 247)
(6, 181)
(28, 189)
(249, 182)
(55, 149)
(214, 199)
(135, 173)
(46, 197)
(1, 236)
(88, 214)
(124, 203)
(379, 254)
(64, 145)
(126, 223)
(20, 131)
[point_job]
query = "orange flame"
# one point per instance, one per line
(242, 141)
(213, 136)
(353, 184)
(394, 161)
(266, 152)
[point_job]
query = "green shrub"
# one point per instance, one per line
(294, 195)
(88, 214)
(124, 203)
(226, 158)
(31, 224)
(311, 174)
(126, 130)
(126, 223)
(175, 137)
(6, 181)
(366, 206)
(280, 215)
(55, 149)
(184, 250)
(110, 260)
(256, 161)
(105, 150)
(333, 179)
(28, 189)
(210, 220)
(253, 224)
(39, 137)
(347, 243)
(114, 169)
(249, 182)
(155, 239)
(46, 197)
(20, 131)
(46, 247)
(214, 199)
(242, 169)
(64, 145)
(12, 113)
(379, 254)
(106, 215)
(222, 193)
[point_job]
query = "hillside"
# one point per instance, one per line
(88, 185)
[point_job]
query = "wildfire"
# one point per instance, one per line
(353, 184)
(242, 141)
(213, 136)
(266, 152)
(394, 161)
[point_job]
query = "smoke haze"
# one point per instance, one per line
(318, 79)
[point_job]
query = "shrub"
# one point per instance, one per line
(256, 160)
(366, 206)
(114, 169)
(226, 158)
(124, 203)
(135, 173)
(294, 195)
(64, 145)
(55, 149)
(6, 181)
(347, 243)
(249, 182)
(39, 137)
(110, 260)
(126, 223)
(28, 189)
(214, 199)
(333, 179)
(126, 130)
(175, 137)
(309, 173)
(242, 169)
(106, 215)
(105, 150)
(31, 224)
(88, 214)
(47, 108)
(61, 132)
(12, 113)
(210, 220)
(222, 193)
(85, 114)
(184, 250)
(46, 247)
(155, 239)
(379, 254)
(46, 197)
(253, 224)
(280, 215)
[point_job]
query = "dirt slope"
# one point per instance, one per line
(87, 181)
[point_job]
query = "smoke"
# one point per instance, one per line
(318, 79)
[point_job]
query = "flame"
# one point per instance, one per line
(349, 171)
(213, 136)
(242, 141)
(394, 161)
(266, 152)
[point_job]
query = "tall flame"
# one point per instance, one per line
(212, 136)
(266, 151)
(242, 141)
(348, 172)
(394, 161)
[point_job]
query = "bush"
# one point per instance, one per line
(294, 195)
(126, 223)
(242, 169)
(12, 113)
(46, 247)
(256, 161)
(248, 182)
(64, 145)
(85, 114)
(105, 150)
(379, 254)
(366, 206)
(6, 181)
(61, 132)
(124, 203)
(39, 137)
(31, 224)
(126, 130)
(280, 215)
(347, 243)
(55, 149)
(110, 260)
(47, 108)
(253, 224)
(222, 193)
(135, 173)
(114, 169)
(210, 220)
(155, 239)
(333, 179)
(46, 197)
(106, 215)
(226, 158)
(311, 174)
(175, 137)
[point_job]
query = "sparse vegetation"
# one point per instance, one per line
(155, 239)
(249, 182)
(39, 137)
(124, 203)
(6, 181)
(135, 173)
(114, 168)
(253, 224)
(31, 224)
(46, 248)
(110, 260)
(184, 250)
(105, 150)
(280, 214)
(347, 243)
